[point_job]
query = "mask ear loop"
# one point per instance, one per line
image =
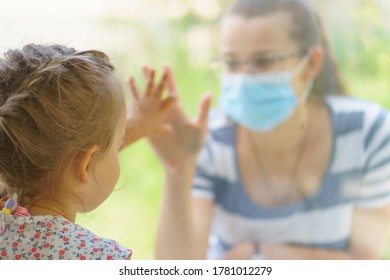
(306, 91)
(310, 83)
(301, 63)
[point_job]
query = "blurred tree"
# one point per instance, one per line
(374, 45)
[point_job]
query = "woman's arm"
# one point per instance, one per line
(246, 251)
(185, 222)
(290, 252)
(367, 241)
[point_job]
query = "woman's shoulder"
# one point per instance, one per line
(221, 129)
(355, 115)
(218, 120)
(54, 237)
(219, 148)
(353, 105)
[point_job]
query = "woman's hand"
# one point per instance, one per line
(149, 109)
(242, 251)
(186, 137)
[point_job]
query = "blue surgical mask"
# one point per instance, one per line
(261, 102)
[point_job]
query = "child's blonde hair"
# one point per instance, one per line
(55, 103)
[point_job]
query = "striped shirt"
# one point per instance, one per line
(358, 175)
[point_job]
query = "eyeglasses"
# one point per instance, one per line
(258, 64)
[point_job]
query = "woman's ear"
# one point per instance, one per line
(85, 164)
(315, 63)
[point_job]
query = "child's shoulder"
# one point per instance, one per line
(54, 237)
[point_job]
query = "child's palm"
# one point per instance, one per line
(150, 109)
(150, 114)
(174, 137)
(186, 137)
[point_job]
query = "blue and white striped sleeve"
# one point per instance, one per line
(203, 182)
(375, 188)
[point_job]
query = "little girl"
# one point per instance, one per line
(63, 122)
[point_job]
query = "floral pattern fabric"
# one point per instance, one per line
(54, 238)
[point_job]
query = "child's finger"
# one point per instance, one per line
(150, 86)
(172, 89)
(161, 86)
(167, 103)
(145, 70)
(203, 110)
(133, 88)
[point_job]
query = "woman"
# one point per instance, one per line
(290, 168)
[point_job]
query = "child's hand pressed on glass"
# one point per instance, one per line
(186, 136)
(149, 108)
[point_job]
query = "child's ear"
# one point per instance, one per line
(85, 165)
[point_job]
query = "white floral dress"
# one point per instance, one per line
(53, 238)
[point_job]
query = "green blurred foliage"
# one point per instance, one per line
(362, 48)
(373, 56)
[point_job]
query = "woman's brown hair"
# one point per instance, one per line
(306, 30)
(55, 103)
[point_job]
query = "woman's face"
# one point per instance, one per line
(253, 45)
